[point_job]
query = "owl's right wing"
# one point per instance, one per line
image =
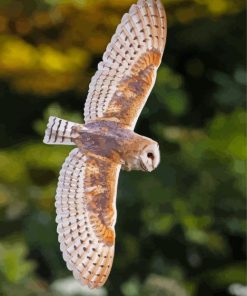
(86, 215)
(125, 77)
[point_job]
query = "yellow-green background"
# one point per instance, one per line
(181, 229)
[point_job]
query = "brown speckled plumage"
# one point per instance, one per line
(86, 192)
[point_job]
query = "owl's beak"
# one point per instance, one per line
(143, 166)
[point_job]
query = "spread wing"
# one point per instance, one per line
(119, 89)
(86, 215)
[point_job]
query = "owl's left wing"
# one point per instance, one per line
(119, 89)
(86, 215)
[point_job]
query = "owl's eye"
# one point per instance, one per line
(150, 155)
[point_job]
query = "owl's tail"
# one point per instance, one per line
(59, 131)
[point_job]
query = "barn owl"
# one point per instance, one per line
(106, 142)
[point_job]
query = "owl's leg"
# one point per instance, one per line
(59, 131)
(126, 167)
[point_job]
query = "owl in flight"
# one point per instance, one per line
(87, 186)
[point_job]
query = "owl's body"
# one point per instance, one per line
(87, 187)
(114, 143)
(106, 140)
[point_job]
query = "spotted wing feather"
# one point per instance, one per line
(86, 215)
(125, 77)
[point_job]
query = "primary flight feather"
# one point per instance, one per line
(87, 186)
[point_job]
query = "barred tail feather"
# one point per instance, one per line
(59, 131)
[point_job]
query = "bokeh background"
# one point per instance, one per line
(180, 230)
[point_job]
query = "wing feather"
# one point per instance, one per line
(86, 215)
(125, 77)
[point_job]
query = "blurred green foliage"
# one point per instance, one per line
(181, 230)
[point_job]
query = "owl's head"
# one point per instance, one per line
(150, 157)
(140, 154)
